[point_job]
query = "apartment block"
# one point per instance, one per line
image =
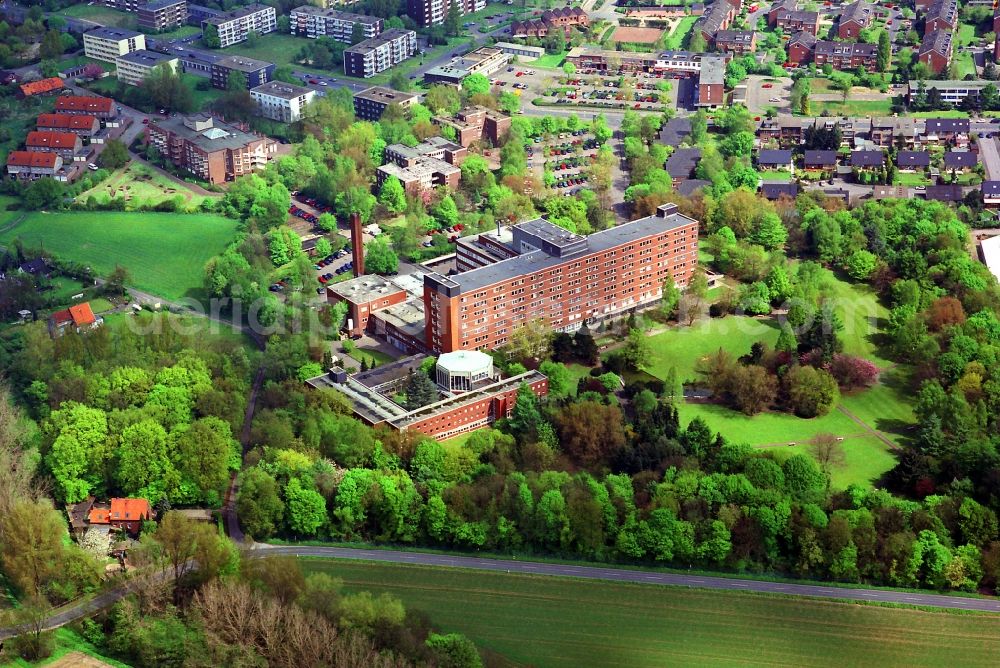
(281, 101)
(161, 15)
(108, 43)
(432, 12)
(854, 19)
(133, 67)
(936, 50)
(257, 72)
(942, 15)
(235, 25)
(368, 58)
(369, 104)
(432, 163)
(210, 149)
(474, 124)
(711, 82)
(565, 278)
(311, 21)
(737, 42)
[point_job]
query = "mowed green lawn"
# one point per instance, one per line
(681, 348)
(556, 622)
(165, 253)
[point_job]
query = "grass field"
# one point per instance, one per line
(678, 36)
(852, 107)
(139, 185)
(861, 313)
(99, 14)
(164, 253)
(374, 354)
(965, 64)
(768, 429)
(965, 35)
(550, 60)
(914, 179)
(556, 622)
(681, 348)
(72, 651)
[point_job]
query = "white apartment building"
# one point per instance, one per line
(133, 67)
(368, 58)
(108, 43)
(281, 101)
(234, 26)
(313, 22)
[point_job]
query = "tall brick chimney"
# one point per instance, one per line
(357, 245)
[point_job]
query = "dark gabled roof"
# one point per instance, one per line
(991, 188)
(715, 17)
(860, 12)
(913, 159)
(734, 37)
(937, 125)
(938, 41)
(867, 158)
(691, 186)
(944, 193)
(846, 49)
(805, 38)
(36, 266)
(945, 10)
(960, 159)
(675, 131)
(773, 191)
(774, 157)
(682, 162)
(820, 157)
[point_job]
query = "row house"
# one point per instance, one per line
(935, 50)
(103, 108)
(83, 126)
(32, 165)
(564, 19)
(942, 15)
(739, 42)
(886, 132)
(65, 144)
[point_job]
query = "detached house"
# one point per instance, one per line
(960, 161)
(947, 130)
(820, 160)
(863, 160)
(910, 161)
(774, 159)
(127, 514)
(79, 317)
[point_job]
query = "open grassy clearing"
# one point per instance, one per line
(681, 348)
(164, 253)
(140, 185)
(563, 622)
(769, 429)
(550, 60)
(681, 29)
(965, 35)
(851, 107)
(912, 179)
(861, 312)
(71, 651)
(950, 113)
(966, 65)
(99, 14)
(866, 460)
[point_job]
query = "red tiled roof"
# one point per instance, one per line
(82, 314)
(84, 103)
(65, 121)
(130, 509)
(40, 138)
(121, 510)
(31, 159)
(42, 86)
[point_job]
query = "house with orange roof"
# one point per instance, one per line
(85, 126)
(127, 514)
(42, 86)
(80, 317)
(103, 108)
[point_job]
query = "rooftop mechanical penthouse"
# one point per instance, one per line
(540, 270)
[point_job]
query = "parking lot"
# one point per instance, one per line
(764, 92)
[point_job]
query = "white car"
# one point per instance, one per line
(92, 167)
(323, 83)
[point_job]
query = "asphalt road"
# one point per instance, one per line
(640, 577)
